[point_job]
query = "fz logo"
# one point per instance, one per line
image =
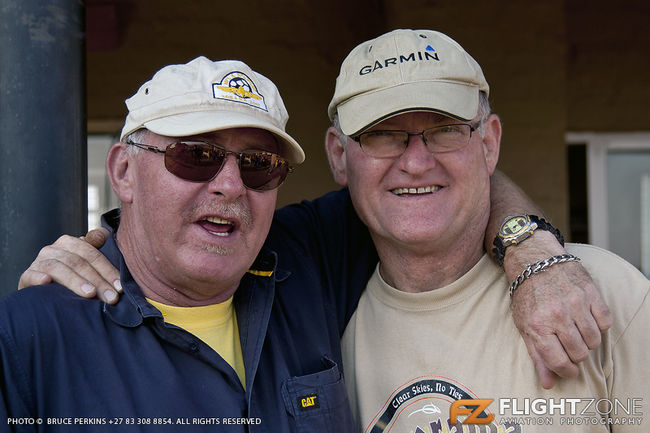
(460, 407)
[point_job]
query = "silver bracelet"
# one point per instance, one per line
(538, 267)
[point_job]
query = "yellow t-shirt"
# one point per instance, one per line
(215, 324)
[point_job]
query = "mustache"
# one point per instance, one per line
(236, 210)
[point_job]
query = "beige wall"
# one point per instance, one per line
(553, 66)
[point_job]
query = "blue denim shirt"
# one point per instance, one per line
(122, 368)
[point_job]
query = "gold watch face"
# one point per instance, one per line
(514, 225)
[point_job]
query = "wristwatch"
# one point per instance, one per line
(517, 228)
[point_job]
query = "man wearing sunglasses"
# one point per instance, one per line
(197, 208)
(212, 334)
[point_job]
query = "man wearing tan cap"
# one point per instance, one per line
(415, 142)
(210, 335)
(192, 237)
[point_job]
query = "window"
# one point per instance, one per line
(617, 214)
(100, 193)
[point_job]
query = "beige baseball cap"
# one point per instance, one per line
(204, 96)
(402, 71)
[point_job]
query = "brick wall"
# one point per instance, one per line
(553, 66)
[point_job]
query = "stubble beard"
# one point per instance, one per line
(237, 211)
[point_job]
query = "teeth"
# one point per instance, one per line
(216, 220)
(420, 190)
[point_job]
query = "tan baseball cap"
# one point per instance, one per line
(204, 96)
(402, 71)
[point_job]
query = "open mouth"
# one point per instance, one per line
(416, 191)
(217, 226)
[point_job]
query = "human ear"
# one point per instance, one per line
(492, 141)
(119, 168)
(335, 148)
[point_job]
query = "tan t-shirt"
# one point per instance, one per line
(409, 356)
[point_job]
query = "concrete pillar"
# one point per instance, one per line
(43, 172)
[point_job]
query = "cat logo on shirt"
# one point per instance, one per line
(308, 402)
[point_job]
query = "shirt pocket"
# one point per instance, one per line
(318, 402)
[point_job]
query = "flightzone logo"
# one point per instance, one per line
(550, 411)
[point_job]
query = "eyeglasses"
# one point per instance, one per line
(390, 144)
(197, 161)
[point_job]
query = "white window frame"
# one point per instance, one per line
(101, 143)
(598, 146)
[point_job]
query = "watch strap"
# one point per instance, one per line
(542, 224)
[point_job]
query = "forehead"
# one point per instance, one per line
(402, 121)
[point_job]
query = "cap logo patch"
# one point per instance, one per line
(238, 87)
(418, 56)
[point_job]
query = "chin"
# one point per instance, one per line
(416, 237)
(216, 272)
(211, 257)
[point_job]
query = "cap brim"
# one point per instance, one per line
(187, 124)
(451, 99)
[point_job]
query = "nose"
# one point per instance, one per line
(417, 158)
(228, 181)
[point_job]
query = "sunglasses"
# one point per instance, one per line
(197, 161)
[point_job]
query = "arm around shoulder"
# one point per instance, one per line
(559, 313)
(76, 264)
